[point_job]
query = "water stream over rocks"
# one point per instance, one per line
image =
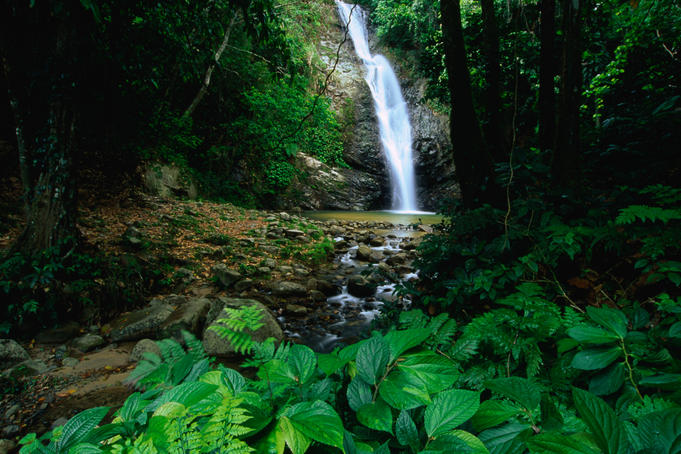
(370, 259)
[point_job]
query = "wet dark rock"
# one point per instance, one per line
(243, 285)
(360, 287)
(133, 237)
(287, 289)
(59, 335)
(328, 288)
(87, 342)
(11, 353)
(189, 316)
(225, 276)
(141, 323)
(296, 309)
(364, 253)
(28, 368)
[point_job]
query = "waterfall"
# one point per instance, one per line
(391, 110)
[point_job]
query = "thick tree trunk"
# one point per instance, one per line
(474, 165)
(547, 71)
(51, 218)
(567, 156)
(493, 130)
(45, 124)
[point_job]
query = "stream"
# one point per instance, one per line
(371, 259)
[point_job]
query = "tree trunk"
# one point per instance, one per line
(498, 145)
(209, 72)
(45, 124)
(567, 156)
(547, 71)
(474, 165)
(51, 218)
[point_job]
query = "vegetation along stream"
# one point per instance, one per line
(396, 226)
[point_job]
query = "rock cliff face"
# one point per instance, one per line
(365, 184)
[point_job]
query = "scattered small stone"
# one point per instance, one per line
(59, 422)
(243, 285)
(225, 276)
(87, 342)
(69, 362)
(11, 411)
(287, 288)
(7, 446)
(10, 431)
(296, 309)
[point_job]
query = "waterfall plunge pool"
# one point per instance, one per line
(392, 216)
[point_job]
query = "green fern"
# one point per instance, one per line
(634, 213)
(233, 328)
(224, 428)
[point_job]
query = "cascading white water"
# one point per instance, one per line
(391, 110)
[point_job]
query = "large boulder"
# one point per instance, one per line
(189, 316)
(144, 346)
(216, 345)
(141, 323)
(58, 335)
(11, 353)
(225, 276)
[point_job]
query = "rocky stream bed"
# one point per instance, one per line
(280, 262)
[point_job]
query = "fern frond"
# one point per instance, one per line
(633, 213)
(194, 346)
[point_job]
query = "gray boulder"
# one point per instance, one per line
(216, 345)
(364, 253)
(11, 353)
(87, 342)
(141, 323)
(189, 316)
(287, 288)
(142, 347)
(225, 276)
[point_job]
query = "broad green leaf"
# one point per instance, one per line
(133, 404)
(85, 448)
(437, 372)
(330, 363)
(661, 379)
(596, 358)
(492, 413)
(601, 421)
(449, 410)
(317, 420)
(376, 415)
(446, 444)
(661, 431)
(358, 393)
(611, 319)
(403, 340)
(349, 353)
(608, 381)
(556, 443)
(234, 380)
(171, 410)
(405, 431)
(277, 371)
(473, 442)
(303, 362)
(404, 391)
(294, 439)
(675, 330)
(508, 438)
(586, 334)
(77, 428)
(372, 359)
(186, 394)
(521, 390)
(551, 419)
